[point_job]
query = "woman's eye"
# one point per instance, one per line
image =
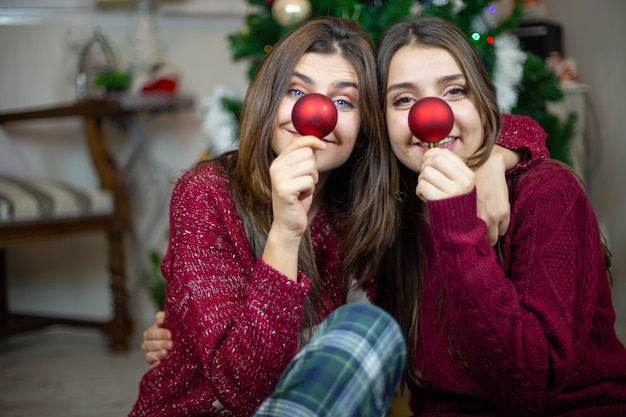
(343, 104)
(295, 93)
(402, 101)
(457, 91)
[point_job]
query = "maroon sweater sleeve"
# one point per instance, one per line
(524, 134)
(239, 316)
(519, 327)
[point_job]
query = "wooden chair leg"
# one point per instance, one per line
(4, 296)
(120, 327)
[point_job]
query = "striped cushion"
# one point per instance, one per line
(27, 199)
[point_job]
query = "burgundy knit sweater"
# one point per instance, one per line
(533, 335)
(234, 319)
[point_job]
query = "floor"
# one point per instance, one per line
(67, 372)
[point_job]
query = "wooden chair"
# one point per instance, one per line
(52, 219)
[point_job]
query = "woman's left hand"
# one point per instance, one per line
(492, 194)
(157, 341)
(443, 175)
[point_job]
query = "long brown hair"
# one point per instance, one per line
(399, 286)
(360, 192)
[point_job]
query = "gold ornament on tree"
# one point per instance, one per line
(290, 12)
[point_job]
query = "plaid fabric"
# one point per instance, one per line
(351, 367)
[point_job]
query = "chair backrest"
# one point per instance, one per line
(50, 195)
(33, 208)
(11, 160)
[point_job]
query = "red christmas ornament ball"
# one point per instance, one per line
(431, 119)
(314, 114)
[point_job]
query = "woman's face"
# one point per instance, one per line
(418, 72)
(334, 77)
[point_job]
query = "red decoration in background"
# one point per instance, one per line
(431, 119)
(162, 85)
(314, 114)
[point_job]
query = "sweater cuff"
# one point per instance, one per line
(457, 214)
(522, 133)
(288, 296)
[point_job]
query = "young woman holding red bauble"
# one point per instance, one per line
(256, 257)
(526, 329)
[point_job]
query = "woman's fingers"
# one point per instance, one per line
(443, 175)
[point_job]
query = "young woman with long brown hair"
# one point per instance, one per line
(256, 256)
(525, 328)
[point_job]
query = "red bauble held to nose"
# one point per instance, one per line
(314, 114)
(430, 120)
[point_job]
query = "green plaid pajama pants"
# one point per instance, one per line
(351, 367)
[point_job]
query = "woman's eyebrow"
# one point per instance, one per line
(399, 86)
(451, 77)
(347, 84)
(303, 77)
(339, 85)
(442, 80)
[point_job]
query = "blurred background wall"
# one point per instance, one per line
(39, 45)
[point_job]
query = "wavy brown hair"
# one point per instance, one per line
(400, 282)
(361, 193)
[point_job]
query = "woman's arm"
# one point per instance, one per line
(522, 142)
(525, 141)
(519, 326)
(238, 316)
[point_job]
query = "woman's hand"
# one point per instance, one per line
(294, 176)
(157, 341)
(492, 196)
(492, 192)
(443, 175)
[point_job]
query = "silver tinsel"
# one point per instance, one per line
(219, 125)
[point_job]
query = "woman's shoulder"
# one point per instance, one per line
(204, 175)
(207, 170)
(549, 170)
(547, 179)
(520, 125)
(204, 186)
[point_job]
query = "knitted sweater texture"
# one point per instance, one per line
(533, 335)
(234, 319)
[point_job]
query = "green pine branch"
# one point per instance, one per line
(539, 86)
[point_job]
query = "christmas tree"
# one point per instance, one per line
(525, 86)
